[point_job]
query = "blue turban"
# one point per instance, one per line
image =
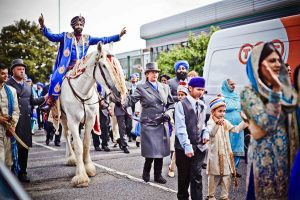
(40, 84)
(137, 75)
(132, 75)
(197, 82)
(183, 63)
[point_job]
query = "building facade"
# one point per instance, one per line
(167, 33)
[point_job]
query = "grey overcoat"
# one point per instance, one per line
(155, 140)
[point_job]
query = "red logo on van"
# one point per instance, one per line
(246, 49)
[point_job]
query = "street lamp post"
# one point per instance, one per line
(59, 16)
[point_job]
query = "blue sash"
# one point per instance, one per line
(14, 149)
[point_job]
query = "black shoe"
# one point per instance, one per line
(51, 136)
(137, 144)
(238, 175)
(119, 143)
(46, 109)
(129, 140)
(160, 179)
(47, 141)
(57, 144)
(98, 149)
(146, 176)
(204, 165)
(24, 178)
(105, 148)
(125, 150)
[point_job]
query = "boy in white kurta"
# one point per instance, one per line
(220, 157)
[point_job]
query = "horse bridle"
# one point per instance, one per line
(111, 88)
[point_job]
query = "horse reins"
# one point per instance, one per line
(111, 88)
(81, 100)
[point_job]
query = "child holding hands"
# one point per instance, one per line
(220, 157)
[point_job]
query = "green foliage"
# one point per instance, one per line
(194, 53)
(25, 40)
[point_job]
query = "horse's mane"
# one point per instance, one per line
(116, 72)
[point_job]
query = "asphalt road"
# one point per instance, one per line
(118, 176)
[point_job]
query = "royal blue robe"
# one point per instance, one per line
(67, 54)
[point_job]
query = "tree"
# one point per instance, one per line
(194, 53)
(25, 40)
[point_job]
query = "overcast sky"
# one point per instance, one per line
(103, 17)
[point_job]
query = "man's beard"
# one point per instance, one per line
(181, 75)
(78, 31)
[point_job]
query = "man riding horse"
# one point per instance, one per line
(73, 49)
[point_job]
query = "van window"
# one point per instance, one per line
(225, 65)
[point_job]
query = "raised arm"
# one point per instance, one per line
(51, 36)
(105, 40)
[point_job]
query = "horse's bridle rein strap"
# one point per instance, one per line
(81, 100)
(111, 88)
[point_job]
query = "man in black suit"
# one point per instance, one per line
(26, 101)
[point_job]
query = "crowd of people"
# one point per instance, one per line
(168, 117)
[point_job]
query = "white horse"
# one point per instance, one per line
(79, 102)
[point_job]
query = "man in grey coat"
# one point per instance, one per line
(157, 107)
(26, 101)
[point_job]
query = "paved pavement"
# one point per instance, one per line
(118, 176)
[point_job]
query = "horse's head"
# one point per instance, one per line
(110, 75)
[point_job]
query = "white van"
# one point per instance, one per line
(229, 49)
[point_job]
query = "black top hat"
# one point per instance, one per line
(152, 66)
(17, 62)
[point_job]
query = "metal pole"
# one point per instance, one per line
(128, 65)
(59, 16)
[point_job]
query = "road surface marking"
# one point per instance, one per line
(118, 172)
(51, 148)
(134, 178)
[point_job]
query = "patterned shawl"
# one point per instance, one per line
(14, 148)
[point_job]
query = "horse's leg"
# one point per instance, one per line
(81, 179)
(71, 159)
(89, 166)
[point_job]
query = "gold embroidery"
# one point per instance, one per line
(57, 88)
(61, 69)
(66, 53)
(69, 35)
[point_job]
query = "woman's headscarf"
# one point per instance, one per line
(227, 92)
(289, 96)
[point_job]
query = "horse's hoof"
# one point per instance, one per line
(71, 161)
(90, 169)
(80, 181)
